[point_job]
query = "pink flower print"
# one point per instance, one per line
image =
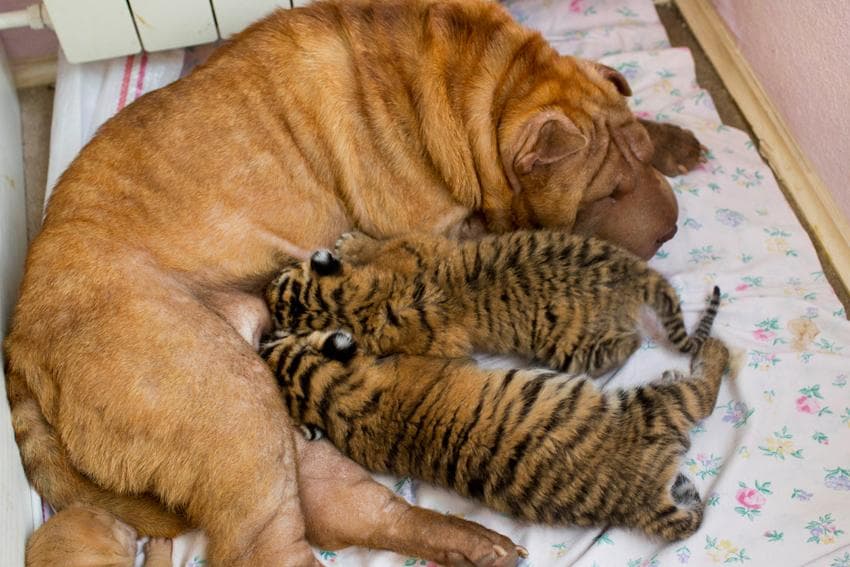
(763, 335)
(742, 287)
(808, 405)
(643, 114)
(750, 498)
(575, 6)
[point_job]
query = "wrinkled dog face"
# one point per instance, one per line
(587, 168)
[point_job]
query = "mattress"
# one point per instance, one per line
(773, 461)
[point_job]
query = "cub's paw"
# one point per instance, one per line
(311, 432)
(355, 247)
(684, 492)
(677, 150)
(324, 263)
(713, 355)
(278, 338)
(671, 376)
(339, 346)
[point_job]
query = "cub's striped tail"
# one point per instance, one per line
(666, 304)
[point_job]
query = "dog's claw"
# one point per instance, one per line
(500, 551)
(682, 169)
(521, 551)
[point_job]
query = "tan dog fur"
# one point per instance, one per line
(130, 371)
(85, 536)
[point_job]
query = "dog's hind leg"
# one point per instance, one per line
(344, 506)
(167, 399)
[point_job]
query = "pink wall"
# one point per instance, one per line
(799, 51)
(25, 43)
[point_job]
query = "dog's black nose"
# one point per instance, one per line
(670, 234)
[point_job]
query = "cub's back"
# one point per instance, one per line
(545, 262)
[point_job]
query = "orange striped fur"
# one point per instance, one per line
(536, 445)
(569, 302)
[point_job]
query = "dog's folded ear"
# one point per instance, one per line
(615, 77)
(546, 138)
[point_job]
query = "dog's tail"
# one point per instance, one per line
(52, 474)
(665, 302)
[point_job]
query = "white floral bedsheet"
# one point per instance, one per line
(773, 461)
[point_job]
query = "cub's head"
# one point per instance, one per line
(293, 356)
(302, 296)
(577, 158)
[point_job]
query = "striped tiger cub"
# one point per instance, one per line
(571, 303)
(537, 445)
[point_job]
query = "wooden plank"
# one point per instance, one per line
(776, 143)
(34, 72)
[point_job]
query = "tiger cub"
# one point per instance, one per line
(537, 445)
(571, 303)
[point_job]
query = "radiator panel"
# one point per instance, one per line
(235, 15)
(98, 29)
(93, 29)
(166, 24)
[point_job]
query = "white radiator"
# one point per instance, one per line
(97, 29)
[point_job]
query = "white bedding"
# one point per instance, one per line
(773, 461)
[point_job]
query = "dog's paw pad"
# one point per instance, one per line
(339, 345)
(324, 263)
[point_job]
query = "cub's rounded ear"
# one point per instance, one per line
(324, 263)
(615, 77)
(546, 138)
(311, 432)
(340, 346)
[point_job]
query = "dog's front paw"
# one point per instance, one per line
(677, 150)
(355, 247)
(158, 551)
